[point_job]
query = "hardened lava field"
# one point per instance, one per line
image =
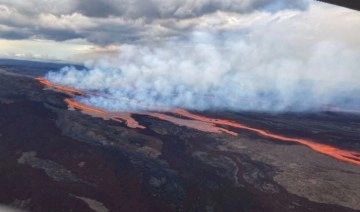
(58, 155)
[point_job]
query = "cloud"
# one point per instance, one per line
(153, 9)
(120, 21)
(258, 61)
(11, 33)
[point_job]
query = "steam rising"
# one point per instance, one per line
(284, 61)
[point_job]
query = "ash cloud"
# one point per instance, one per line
(261, 61)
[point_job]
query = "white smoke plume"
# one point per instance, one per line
(284, 61)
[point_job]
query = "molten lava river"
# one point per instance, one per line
(198, 122)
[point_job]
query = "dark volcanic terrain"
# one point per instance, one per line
(56, 159)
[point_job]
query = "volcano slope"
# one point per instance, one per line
(60, 158)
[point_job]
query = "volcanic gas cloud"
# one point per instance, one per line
(283, 61)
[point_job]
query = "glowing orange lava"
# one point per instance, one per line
(125, 116)
(85, 108)
(201, 123)
(65, 89)
(343, 155)
(119, 116)
(194, 124)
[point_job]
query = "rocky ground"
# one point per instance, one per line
(55, 159)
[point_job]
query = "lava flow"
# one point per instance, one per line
(119, 116)
(343, 155)
(194, 124)
(60, 88)
(200, 123)
(85, 108)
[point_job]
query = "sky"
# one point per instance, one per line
(78, 30)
